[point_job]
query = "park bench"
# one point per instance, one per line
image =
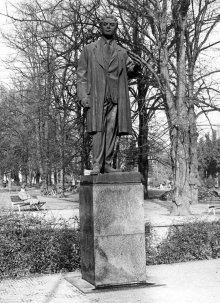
(17, 202)
(213, 204)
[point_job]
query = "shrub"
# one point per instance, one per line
(32, 245)
(192, 241)
(150, 250)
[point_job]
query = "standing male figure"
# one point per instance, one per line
(102, 88)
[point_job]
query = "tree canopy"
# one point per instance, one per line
(43, 127)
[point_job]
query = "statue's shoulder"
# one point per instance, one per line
(92, 45)
(122, 50)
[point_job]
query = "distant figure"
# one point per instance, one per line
(102, 88)
(25, 196)
(44, 189)
(54, 190)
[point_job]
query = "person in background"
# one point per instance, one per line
(25, 196)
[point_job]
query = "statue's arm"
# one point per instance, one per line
(82, 81)
(133, 69)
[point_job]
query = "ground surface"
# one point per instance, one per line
(191, 282)
(155, 210)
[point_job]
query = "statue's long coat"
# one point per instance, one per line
(92, 82)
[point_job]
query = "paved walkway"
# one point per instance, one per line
(154, 210)
(193, 282)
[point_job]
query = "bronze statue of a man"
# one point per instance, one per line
(102, 88)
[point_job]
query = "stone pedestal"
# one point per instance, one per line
(112, 230)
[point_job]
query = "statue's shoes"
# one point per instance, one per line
(109, 169)
(95, 170)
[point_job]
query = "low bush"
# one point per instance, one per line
(31, 245)
(191, 241)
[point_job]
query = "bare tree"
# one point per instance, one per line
(47, 38)
(174, 37)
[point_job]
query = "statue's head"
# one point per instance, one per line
(109, 25)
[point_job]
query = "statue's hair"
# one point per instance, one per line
(108, 16)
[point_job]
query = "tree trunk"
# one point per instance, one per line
(143, 164)
(143, 147)
(62, 180)
(85, 146)
(180, 135)
(180, 164)
(193, 135)
(176, 111)
(9, 182)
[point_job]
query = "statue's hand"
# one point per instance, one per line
(134, 71)
(133, 68)
(85, 102)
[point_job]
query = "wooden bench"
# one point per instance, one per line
(17, 202)
(213, 204)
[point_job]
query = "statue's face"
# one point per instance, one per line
(108, 27)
